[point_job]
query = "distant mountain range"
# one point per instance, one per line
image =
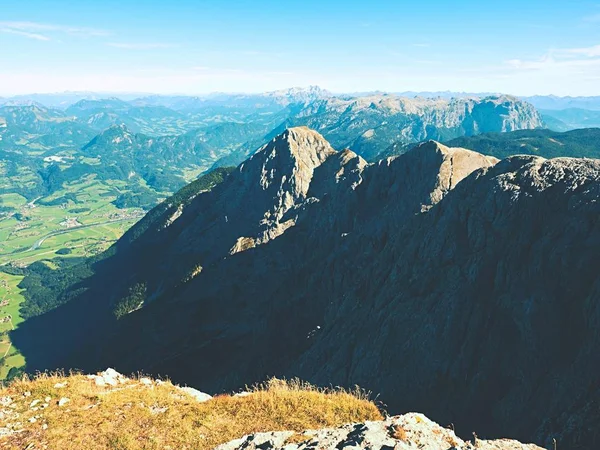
(154, 143)
(370, 124)
(159, 114)
(65, 99)
(445, 280)
(134, 139)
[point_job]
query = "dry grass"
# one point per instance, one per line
(297, 438)
(452, 442)
(397, 432)
(160, 416)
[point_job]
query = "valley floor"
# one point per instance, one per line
(84, 224)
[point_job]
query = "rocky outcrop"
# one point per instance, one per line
(111, 379)
(404, 432)
(453, 164)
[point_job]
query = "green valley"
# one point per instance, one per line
(84, 225)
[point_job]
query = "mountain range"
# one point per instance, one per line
(65, 99)
(158, 114)
(445, 280)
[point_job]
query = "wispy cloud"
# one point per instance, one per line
(564, 59)
(222, 71)
(44, 31)
(37, 36)
(139, 46)
(590, 52)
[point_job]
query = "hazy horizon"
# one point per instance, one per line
(132, 95)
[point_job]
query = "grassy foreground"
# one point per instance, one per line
(147, 414)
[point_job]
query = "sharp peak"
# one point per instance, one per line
(305, 136)
(307, 147)
(433, 147)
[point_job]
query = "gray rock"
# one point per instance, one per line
(196, 394)
(404, 432)
(110, 377)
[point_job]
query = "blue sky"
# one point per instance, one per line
(519, 47)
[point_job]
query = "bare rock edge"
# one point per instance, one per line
(408, 431)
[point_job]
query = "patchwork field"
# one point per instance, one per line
(77, 221)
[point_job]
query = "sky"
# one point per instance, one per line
(523, 47)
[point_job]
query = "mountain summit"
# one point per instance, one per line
(447, 281)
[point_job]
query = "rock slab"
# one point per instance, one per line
(409, 431)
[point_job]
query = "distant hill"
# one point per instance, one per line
(554, 102)
(42, 149)
(546, 143)
(581, 143)
(570, 119)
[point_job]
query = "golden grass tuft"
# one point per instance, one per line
(397, 432)
(297, 438)
(160, 416)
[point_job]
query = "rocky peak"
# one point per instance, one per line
(259, 201)
(415, 181)
(290, 159)
(453, 165)
(275, 180)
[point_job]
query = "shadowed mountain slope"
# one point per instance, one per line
(445, 280)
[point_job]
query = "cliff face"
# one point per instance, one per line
(446, 281)
(369, 125)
